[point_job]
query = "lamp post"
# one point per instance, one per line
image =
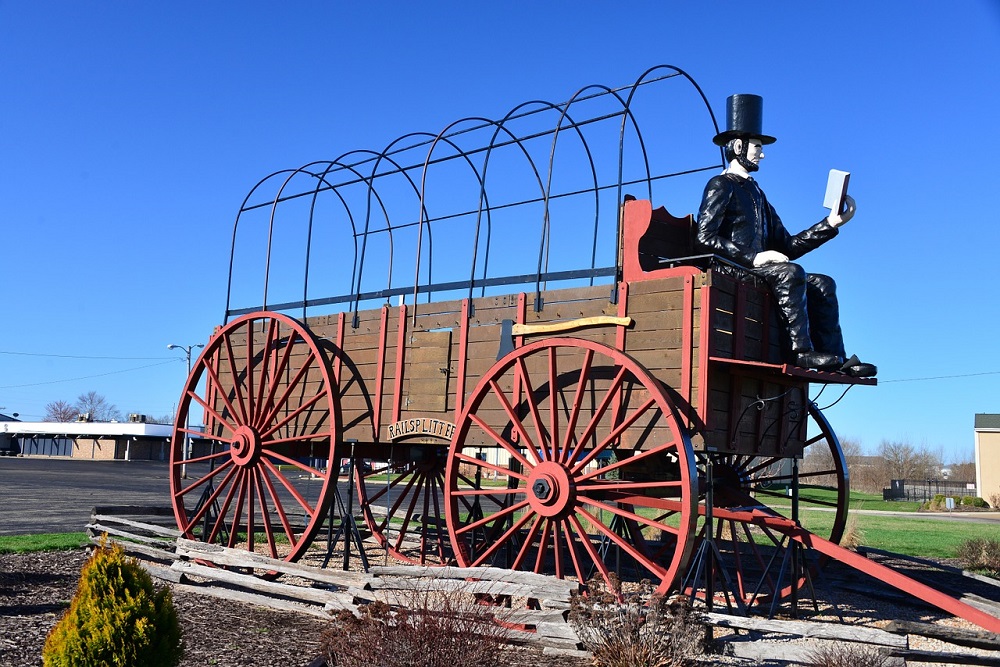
(186, 453)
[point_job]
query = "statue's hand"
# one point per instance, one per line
(769, 257)
(837, 219)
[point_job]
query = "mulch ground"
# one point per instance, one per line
(35, 590)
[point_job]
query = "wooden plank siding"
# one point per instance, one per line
(680, 318)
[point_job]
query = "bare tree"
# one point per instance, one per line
(98, 407)
(901, 460)
(819, 468)
(963, 472)
(60, 411)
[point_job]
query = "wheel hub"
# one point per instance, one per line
(730, 485)
(550, 489)
(246, 446)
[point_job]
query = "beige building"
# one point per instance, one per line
(124, 441)
(988, 458)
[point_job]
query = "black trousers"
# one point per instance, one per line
(808, 305)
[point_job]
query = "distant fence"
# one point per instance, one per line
(921, 490)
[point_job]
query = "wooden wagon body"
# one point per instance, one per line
(637, 420)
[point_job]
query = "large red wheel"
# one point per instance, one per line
(403, 505)
(261, 474)
(752, 563)
(591, 451)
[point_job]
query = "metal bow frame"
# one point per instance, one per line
(400, 190)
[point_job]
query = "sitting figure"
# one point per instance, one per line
(736, 221)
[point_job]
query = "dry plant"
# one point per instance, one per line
(847, 655)
(423, 628)
(638, 629)
(854, 536)
(981, 554)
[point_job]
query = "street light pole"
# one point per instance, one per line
(186, 453)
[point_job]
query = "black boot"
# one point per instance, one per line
(820, 360)
(857, 368)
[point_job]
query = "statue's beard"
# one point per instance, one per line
(749, 165)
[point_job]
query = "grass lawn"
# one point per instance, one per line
(41, 542)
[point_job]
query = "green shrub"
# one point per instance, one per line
(974, 501)
(115, 619)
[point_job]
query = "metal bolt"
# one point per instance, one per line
(541, 489)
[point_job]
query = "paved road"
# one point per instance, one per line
(47, 495)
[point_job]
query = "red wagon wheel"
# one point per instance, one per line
(261, 473)
(751, 566)
(591, 450)
(403, 505)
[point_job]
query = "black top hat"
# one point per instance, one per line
(744, 118)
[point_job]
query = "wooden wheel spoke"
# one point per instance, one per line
(268, 403)
(307, 404)
(616, 433)
(214, 378)
(186, 528)
(209, 475)
(236, 383)
(542, 546)
(301, 466)
(265, 362)
(271, 442)
(235, 528)
(623, 544)
(767, 462)
(251, 408)
(399, 501)
(502, 539)
(500, 470)
(595, 419)
(250, 509)
(384, 488)
(515, 422)
(209, 457)
(503, 512)
(209, 409)
(440, 522)
(409, 513)
(270, 414)
(626, 514)
(220, 518)
(265, 514)
(595, 557)
(571, 544)
(500, 441)
(553, 405)
(581, 393)
(289, 533)
(621, 463)
(529, 397)
(618, 486)
(310, 510)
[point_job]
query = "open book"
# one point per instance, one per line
(836, 190)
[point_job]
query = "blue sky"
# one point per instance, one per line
(131, 132)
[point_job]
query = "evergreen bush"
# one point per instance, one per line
(116, 618)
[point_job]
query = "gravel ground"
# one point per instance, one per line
(35, 589)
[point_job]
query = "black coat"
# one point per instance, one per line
(736, 221)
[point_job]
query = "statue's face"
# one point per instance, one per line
(755, 151)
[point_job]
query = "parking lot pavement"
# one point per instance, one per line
(49, 495)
